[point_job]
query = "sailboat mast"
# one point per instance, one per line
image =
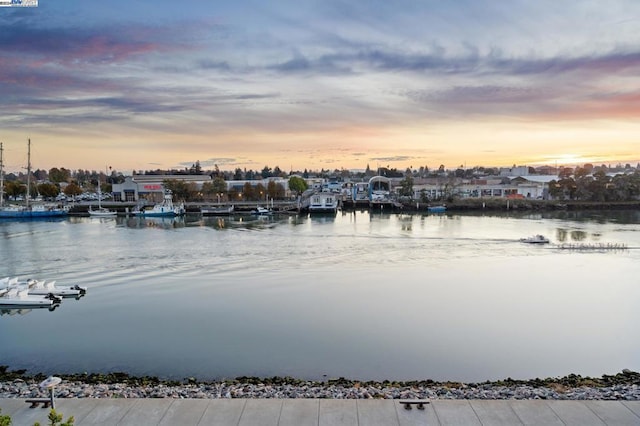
(28, 171)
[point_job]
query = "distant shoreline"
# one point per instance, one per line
(506, 204)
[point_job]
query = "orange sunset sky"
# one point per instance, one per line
(319, 85)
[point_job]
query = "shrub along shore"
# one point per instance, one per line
(621, 386)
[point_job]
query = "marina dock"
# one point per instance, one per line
(326, 412)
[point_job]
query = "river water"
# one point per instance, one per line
(360, 295)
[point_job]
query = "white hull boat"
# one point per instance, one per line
(42, 288)
(261, 211)
(20, 298)
(536, 239)
(217, 211)
(165, 209)
(102, 212)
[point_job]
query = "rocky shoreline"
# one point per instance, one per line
(622, 386)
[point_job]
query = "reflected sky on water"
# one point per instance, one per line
(357, 295)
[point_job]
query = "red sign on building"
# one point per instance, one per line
(152, 187)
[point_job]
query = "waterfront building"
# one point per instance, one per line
(151, 187)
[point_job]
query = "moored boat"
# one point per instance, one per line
(20, 297)
(217, 211)
(28, 210)
(323, 202)
(261, 211)
(101, 211)
(436, 209)
(164, 209)
(42, 287)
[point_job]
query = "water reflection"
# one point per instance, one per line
(308, 295)
(24, 311)
(154, 222)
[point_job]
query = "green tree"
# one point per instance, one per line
(14, 188)
(247, 192)
(271, 190)
(423, 196)
(219, 186)
(72, 190)
(406, 186)
(555, 190)
(48, 190)
(279, 192)
(59, 175)
(297, 185)
(178, 188)
(266, 172)
(260, 192)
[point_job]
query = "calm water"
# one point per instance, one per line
(363, 296)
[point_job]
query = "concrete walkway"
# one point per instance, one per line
(326, 412)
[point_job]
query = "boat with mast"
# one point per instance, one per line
(101, 211)
(28, 210)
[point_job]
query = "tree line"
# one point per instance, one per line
(580, 185)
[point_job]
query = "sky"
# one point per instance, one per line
(332, 84)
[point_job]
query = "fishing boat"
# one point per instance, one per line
(164, 209)
(28, 210)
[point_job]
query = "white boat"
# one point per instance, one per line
(101, 211)
(536, 239)
(20, 297)
(217, 211)
(164, 209)
(42, 288)
(261, 211)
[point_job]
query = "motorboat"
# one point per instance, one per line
(262, 211)
(535, 239)
(20, 297)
